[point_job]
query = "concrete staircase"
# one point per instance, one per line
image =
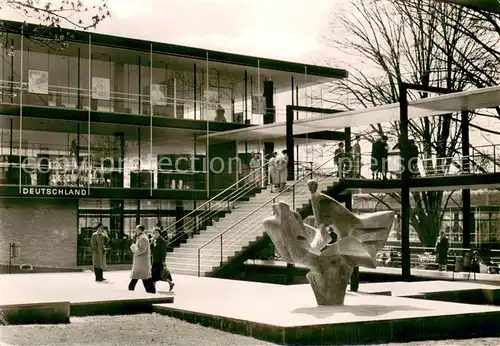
(184, 260)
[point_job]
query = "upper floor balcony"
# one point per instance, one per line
(119, 75)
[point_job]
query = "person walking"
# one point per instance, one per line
(141, 263)
(282, 170)
(442, 247)
(158, 256)
(99, 243)
(272, 171)
(356, 155)
(254, 169)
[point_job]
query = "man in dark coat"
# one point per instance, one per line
(99, 243)
(158, 256)
(384, 157)
(413, 157)
(339, 155)
(377, 147)
(442, 247)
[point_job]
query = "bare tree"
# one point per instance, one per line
(390, 43)
(479, 26)
(48, 17)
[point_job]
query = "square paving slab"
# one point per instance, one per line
(289, 314)
(79, 290)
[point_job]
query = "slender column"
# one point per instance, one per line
(354, 284)
(21, 92)
(405, 189)
(138, 213)
(195, 90)
(78, 76)
(139, 75)
(466, 198)
(289, 142)
(295, 102)
(268, 114)
(348, 169)
(246, 96)
(11, 137)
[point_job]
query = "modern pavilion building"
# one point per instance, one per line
(113, 130)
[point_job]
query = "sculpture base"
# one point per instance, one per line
(330, 284)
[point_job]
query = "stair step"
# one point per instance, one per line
(184, 259)
(182, 271)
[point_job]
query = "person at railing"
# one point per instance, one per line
(379, 158)
(375, 158)
(338, 158)
(413, 153)
(220, 114)
(456, 231)
(74, 148)
(158, 256)
(254, 168)
(271, 167)
(442, 247)
(281, 170)
(356, 156)
(413, 157)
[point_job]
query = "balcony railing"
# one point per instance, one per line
(171, 106)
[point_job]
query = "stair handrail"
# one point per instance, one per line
(212, 211)
(243, 231)
(210, 201)
(292, 186)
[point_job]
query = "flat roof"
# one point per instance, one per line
(316, 74)
(439, 105)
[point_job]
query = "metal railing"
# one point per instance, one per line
(253, 220)
(130, 103)
(222, 202)
(481, 160)
(423, 257)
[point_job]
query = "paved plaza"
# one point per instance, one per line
(72, 287)
(378, 312)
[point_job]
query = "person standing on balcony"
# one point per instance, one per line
(384, 157)
(272, 171)
(254, 169)
(413, 156)
(141, 263)
(442, 247)
(375, 158)
(338, 158)
(282, 170)
(356, 155)
(99, 244)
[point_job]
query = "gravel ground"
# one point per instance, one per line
(150, 330)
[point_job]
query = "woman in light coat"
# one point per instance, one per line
(254, 168)
(141, 265)
(271, 167)
(282, 169)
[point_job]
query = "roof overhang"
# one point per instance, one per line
(126, 50)
(439, 105)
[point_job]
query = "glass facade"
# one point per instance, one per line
(88, 76)
(121, 217)
(88, 117)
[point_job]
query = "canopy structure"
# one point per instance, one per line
(439, 105)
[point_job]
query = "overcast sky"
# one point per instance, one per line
(291, 30)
